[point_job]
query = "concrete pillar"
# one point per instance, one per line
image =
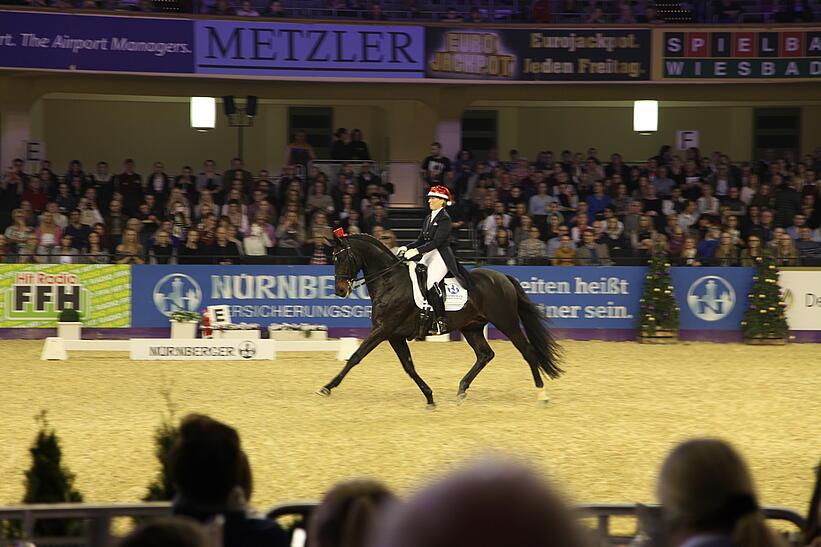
(15, 130)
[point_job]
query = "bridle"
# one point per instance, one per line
(356, 282)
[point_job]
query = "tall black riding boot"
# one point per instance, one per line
(438, 305)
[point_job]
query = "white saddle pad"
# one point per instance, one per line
(456, 296)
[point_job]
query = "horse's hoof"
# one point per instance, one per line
(430, 406)
(542, 403)
(323, 392)
(461, 397)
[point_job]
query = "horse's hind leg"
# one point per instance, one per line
(400, 346)
(519, 340)
(476, 339)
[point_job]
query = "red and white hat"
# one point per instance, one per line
(441, 192)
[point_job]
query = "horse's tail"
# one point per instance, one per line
(538, 333)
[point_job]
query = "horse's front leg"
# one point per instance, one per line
(400, 346)
(375, 338)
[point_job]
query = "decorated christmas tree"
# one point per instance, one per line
(764, 318)
(659, 312)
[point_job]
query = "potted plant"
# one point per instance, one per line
(68, 324)
(184, 324)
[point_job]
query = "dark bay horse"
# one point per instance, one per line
(495, 298)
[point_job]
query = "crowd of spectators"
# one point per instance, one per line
(545, 11)
(706, 490)
(575, 209)
(205, 217)
(566, 209)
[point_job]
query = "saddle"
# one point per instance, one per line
(450, 294)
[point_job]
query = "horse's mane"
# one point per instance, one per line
(373, 242)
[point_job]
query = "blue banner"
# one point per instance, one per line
(712, 298)
(319, 50)
(580, 297)
(256, 294)
(583, 297)
(90, 42)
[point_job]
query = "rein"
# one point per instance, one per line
(365, 279)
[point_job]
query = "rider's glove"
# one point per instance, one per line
(410, 253)
(402, 250)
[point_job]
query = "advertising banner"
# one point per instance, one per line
(583, 297)
(540, 55)
(34, 294)
(254, 294)
(802, 294)
(173, 349)
(711, 298)
(706, 53)
(90, 42)
(288, 49)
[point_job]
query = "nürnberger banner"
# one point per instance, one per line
(195, 349)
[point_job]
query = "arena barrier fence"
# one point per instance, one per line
(99, 518)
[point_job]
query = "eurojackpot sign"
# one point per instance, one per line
(738, 54)
(538, 54)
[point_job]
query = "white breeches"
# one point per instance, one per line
(436, 267)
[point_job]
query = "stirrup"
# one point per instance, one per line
(439, 327)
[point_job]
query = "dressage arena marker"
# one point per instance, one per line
(56, 349)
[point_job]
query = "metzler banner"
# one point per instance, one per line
(34, 294)
(545, 54)
(287, 49)
(88, 42)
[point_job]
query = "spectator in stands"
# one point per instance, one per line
(213, 477)
(35, 194)
(64, 253)
(130, 184)
(223, 250)
(299, 152)
(129, 251)
(375, 13)
(275, 9)
(209, 179)
(66, 201)
(29, 252)
(17, 234)
(168, 532)
(787, 203)
(785, 252)
(708, 498)
(162, 251)
(95, 252)
(192, 251)
(77, 230)
(596, 15)
(532, 250)
(501, 250)
(522, 230)
(48, 233)
(592, 253)
(89, 214)
(491, 503)
(565, 252)
(754, 252)
(318, 250)
(223, 8)
(258, 242)
(158, 183)
(707, 246)
(452, 16)
(436, 168)
(388, 239)
(348, 513)
(626, 16)
(290, 235)
(689, 253)
(247, 10)
(339, 147)
(726, 254)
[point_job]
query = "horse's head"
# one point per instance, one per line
(346, 264)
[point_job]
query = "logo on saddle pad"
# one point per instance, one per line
(456, 296)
